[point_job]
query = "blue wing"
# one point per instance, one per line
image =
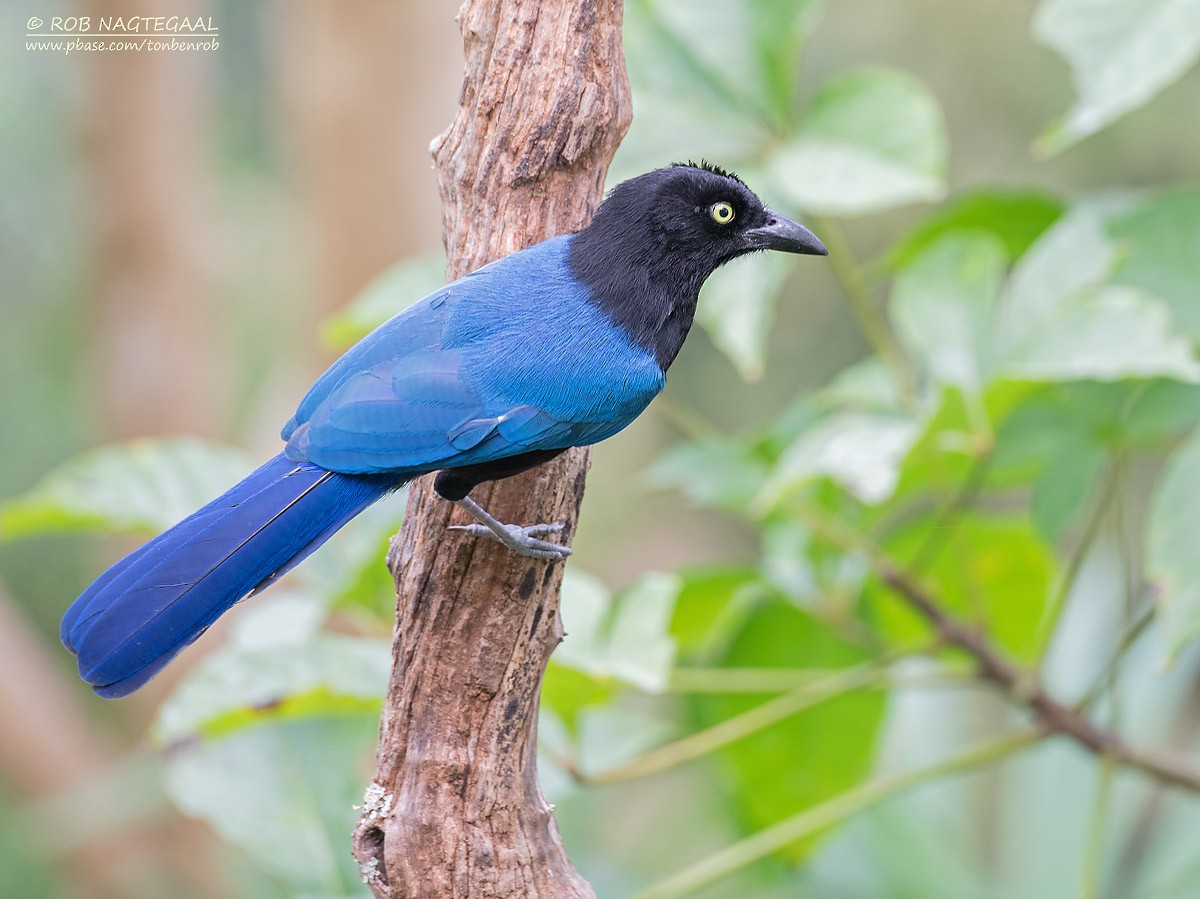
(510, 359)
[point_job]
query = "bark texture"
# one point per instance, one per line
(455, 809)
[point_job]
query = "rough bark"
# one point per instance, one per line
(455, 809)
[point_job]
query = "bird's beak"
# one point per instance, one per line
(781, 233)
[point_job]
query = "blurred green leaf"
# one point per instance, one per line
(720, 471)
(350, 571)
(868, 386)
(682, 110)
(1172, 559)
(1107, 334)
(711, 607)
(946, 447)
(737, 309)
(811, 756)
(1121, 53)
(1061, 492)
(750, 50)
(139, 487)
(943, 305)
(1161, 414)
(994, 573)
(239, 686)
(283, 793)
(387, 295)
(1059, 320)
(1075, 255)
(623, 637)
(610, 736)
(1161, 238)
(870, 140)
(1017, 218)
(861, 451)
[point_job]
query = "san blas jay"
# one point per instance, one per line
(561, 344)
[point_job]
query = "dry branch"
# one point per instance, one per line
(456, 810)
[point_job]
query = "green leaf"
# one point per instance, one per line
(780, 30)
(737, 309)
(1060, 494)
(1017, 218)
(1107, 334)
(750, 51)
(1073, 256)
(284, 794)
(624, 637)
(870, 140)
(1160, 415)
(811, 756)
(1121, 53)
(867, 386)
(861, 451)
(1060, 320)
(610, 737)
(711, 607)
(943, 305)
(1171, 557)
(718, 471)
(239, 686)
(993, 573)
(389, 294)
(139, 487)
(1161, 238)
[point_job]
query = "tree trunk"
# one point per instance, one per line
(455, 809)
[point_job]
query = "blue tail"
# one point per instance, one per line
(146, 608)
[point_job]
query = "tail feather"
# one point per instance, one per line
(144, 610)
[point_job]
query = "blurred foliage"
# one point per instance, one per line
(1021, 439)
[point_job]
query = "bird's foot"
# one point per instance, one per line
(521, 540)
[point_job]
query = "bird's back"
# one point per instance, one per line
(510, 358)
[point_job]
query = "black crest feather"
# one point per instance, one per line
(705, 166)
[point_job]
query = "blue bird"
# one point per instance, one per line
(562, 344)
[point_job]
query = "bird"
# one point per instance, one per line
(561, 344)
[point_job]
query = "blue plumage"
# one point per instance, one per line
(562, 344)
(512, 358)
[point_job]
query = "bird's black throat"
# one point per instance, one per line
(642, 283)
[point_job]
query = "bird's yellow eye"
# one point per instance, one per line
(722, 213)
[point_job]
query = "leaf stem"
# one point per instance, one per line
(827, 814)
(718, 681)
(1058, 599)
(1021, 687)
(1093, 856)
(874, 325)
(760, 717)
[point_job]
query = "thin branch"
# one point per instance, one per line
(715, 681)
(1053, 716)
(828, 814)
(939, 534)
(1093, 856)
(1058, 600)
(870, 319)
(1131, 635)
(731, 730)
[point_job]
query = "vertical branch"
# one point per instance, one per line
(455, 809)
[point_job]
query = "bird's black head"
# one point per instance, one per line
(657, 237)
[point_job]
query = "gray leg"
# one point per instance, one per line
(521, 540)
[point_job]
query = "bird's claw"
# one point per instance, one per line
(522, 540)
